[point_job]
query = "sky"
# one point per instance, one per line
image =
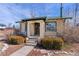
(12, 12)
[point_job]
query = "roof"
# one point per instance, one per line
(43, 18)
(36, 18)
(31, 19)
(60, 18)
(2, 27)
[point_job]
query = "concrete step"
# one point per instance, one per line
(32, 39)
(31, 43)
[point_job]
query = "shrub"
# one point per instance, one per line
(18, 39)
(52, 43)
(47, 43)
(12, 41)
(57, 43)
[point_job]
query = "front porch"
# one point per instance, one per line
(35, 29)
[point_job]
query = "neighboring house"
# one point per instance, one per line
(40, 27)
(2, 27)
(9, 31)
(4, 32)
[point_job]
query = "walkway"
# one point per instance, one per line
(26, 49)
(23, 51)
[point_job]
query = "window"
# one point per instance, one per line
(50, 26)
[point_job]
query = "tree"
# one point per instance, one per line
(32, 12)
(10, 24)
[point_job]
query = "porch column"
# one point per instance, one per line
(22, 27)
(28, 29)
(42, 29)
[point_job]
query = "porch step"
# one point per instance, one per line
(31, 42)
(32, 39)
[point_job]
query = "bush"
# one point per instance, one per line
(18, 39)
(57, 43)
(47, 43)
(52, 43)
(12, 41)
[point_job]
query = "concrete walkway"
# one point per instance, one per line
(23, 51)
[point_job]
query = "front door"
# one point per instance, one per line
(37, 29)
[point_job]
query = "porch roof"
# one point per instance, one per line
(36, 18)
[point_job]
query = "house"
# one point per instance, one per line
(2, 27)
(40, 27)
(4, 32)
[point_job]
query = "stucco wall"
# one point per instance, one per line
(60, 27)
(30, 28)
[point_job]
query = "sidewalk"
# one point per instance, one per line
(23, 51)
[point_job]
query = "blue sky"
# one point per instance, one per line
(10, 13)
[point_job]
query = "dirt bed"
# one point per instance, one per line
(11, 49)
(72, 50)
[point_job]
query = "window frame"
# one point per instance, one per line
(55, 30)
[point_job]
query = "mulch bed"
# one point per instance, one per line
(70, 51)
(11, 49)
(36, 52)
